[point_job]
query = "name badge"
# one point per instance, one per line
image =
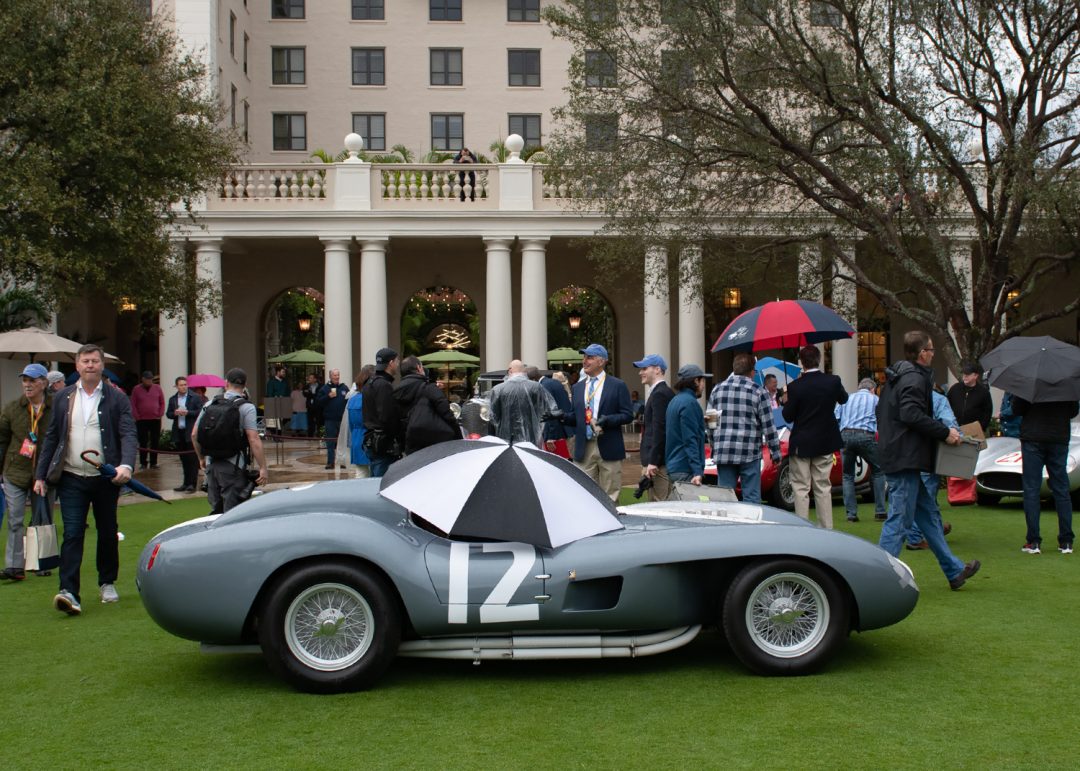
(27, 449)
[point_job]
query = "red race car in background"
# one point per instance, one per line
(776, 479)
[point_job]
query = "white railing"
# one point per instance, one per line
(261, 182)
(433, 182)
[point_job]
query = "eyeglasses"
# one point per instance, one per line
(929, 349)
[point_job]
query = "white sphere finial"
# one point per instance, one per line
(515, 144)
(354, 143)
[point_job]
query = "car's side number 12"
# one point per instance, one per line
(496, 607)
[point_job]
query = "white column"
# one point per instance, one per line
(337, 313)
(810, 282)
(961, 262)
(498, 324)
(534, 302)
(374, 329)
(657, 332)
(210, 333)
(691, 310)
(172, 350)
(845, 353)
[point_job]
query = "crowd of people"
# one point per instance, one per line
(51, 435)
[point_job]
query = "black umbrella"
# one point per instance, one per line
(1037, 369)
(486, 488)
(109, 471)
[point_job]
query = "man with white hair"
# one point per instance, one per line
(858, 432)
(518, 406)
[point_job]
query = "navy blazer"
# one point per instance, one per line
(554, 429)
(195, 403)
(811, 406)
(613, 412)
(119, 441)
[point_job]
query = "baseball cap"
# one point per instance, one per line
(594, 349)
(236, 376)
(147, 375)
(691, 370)
(56, 376)
(35, 371)
(384, 357)
(652, 360)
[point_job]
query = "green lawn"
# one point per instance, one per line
(978, 678)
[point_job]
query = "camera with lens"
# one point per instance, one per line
(645, 483)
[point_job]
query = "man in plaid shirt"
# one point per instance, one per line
(744, 418)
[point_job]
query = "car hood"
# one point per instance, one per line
(352, 496)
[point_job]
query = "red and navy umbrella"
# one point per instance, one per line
(783, 324)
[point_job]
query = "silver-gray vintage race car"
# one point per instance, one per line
(999, 470)
(332, 581)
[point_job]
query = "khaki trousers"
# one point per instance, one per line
(813, 473)
(606, 473)
(661, 484)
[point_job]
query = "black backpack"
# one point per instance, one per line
(219, 433)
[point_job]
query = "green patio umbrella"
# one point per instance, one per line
(563, 355)
(303, 356)
(456, 358)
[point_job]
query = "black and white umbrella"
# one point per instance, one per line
(486, 488)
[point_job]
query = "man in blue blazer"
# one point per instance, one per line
(811, 406)
(183, 410)
(601, 406)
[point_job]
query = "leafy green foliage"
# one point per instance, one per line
(104, 128)
(912, 125)
(21, 308)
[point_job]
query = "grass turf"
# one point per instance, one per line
(979, 678)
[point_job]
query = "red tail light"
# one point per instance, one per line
(153, 556)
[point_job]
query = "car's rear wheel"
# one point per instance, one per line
(330, 627)
(785, 617)
(782, 494)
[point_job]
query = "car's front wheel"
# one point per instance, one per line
(782, 494)
(785, 617)
(332, 627)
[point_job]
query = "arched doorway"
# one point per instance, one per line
(443, 318)
(577, 316)
(293, 325)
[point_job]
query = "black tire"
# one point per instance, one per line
(815, 610)
(781, 495)
(987, 499)
(357, 614)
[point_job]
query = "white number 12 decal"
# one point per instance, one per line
(496, 607)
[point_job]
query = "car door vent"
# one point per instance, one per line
(593, 594)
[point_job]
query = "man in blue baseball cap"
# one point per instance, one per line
(22, 426)
(600, 408)
(652, 370)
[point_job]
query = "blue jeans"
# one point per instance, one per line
(333, 427)
(932, 482)
(380, 465)
(1052, 455)
(77, 494)
(748, 473)
(909, 501)
(861, 444)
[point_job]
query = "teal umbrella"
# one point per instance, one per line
(303, 356)
(459, 358)
(563, 355)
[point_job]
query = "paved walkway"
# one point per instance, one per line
(299, 461)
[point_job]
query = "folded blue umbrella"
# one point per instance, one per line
(785, 371)
(109, 471)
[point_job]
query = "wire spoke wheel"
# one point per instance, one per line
(329, 626)
(787, 615)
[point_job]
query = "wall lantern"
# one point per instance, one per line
(304, 321)
(732, 297)
(127, 306)
(575, 319)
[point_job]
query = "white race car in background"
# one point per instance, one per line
(999, 470)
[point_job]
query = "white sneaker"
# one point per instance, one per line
(65, 602)
(109, 594)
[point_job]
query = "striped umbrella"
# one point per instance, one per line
(783, 324)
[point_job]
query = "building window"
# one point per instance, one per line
(288, 66)
(447, 131)
(232, 35)
(372, 127)
(287, 9)
(524, 66)
(445, 10)
(752, 12)
(446, 66)
(247, 109)
(677, 69)
(601, 11)
(290, 131)
(873, 354)
(247, 42)
(368, 10)
(601, 132)
(232, 105)
(824, 14)
(523, 10)
(369, 66)
(527, 127)
(600, 70)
